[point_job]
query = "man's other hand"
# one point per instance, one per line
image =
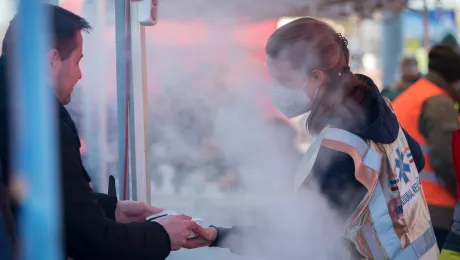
(178, 228)
(134, 211)
(204, 237)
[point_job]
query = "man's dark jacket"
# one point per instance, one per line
(7, 227)
(89, 227)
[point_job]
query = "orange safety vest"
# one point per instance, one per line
(408, 107)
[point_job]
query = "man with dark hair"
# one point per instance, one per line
(426, 110)
(96, 226)
(409, 75)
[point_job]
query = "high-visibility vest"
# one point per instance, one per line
(408, 107)
(392, 221)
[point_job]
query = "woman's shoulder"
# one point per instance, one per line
(334, 170)
(334, 173)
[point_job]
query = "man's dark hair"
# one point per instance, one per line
(64, 25)
(445, 60)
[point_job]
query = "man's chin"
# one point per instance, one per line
(66, 101)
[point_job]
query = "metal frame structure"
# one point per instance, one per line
(139, 111)
(123, 42)
(132, 97)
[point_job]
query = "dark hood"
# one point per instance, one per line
(381, 124)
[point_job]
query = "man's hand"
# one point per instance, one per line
(134, 211)
(178, 228)
(204, 237)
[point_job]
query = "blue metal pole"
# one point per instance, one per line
(122, 34)
(392, 47)
(35, 144)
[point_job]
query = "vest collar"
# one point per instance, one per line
(439, 81)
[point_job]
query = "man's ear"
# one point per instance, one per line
(54, 59)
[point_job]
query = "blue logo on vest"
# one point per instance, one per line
(403, 167)
(399, 209)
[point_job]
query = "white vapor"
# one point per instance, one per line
(209, 94)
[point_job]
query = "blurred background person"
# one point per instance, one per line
(409, 75)
(426, 110)
(449, 40)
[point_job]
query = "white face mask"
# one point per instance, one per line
(291, 102)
